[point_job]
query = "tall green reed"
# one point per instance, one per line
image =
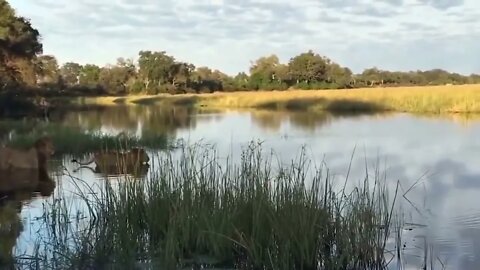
(196, 209)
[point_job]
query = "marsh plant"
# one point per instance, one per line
(199, 210)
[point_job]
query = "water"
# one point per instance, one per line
(435, 160)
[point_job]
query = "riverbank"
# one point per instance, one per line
(428, 99)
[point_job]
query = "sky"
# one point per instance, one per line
(229, 34)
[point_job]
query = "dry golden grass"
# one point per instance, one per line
(427, 99)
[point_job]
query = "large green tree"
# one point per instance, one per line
(263, 71)
(268, 73)
(19, 45)
(155, 68)
(89, 75)
(308, 67)
(240, 81)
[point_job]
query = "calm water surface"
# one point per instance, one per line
(435, 160)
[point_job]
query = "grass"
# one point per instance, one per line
(425, 99)
(199, 210)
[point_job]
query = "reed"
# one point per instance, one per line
(197, 209)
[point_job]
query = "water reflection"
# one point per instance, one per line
(134, 119)
(10, 228)
(173, 119)
(16, 188)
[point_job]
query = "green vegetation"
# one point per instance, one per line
(23, 67)
(73, 140)
(200, 210)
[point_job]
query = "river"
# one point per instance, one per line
(433, 158)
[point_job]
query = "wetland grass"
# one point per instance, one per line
(196, 209)
(427, 99)
(420, 99)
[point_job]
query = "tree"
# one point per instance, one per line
(119, 78)
(240, 81)
(282, 73)
(263, 72)
(19, 44)
(46, 68)
(338, 76)
(70, 73)
(180, 73)
(474, 78)
(371, 76)
(89, 75)
(308, 67)
(226, 82)
(206, 80)
(155, 68)
(201, 74)
(265, 64)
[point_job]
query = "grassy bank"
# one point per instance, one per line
(202, 211)
(428, 99)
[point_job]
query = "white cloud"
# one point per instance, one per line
(227, 34)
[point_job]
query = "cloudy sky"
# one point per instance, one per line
(228, 34)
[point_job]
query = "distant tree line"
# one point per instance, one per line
(22, 65)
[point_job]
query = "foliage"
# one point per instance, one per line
(308, 67)
(19, 44)
(114, 79)
(90, 75)
(157, 72)
(70, 73)
(46, 67)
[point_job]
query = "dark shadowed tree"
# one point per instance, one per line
(205, 80)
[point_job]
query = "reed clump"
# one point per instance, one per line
(197, 209)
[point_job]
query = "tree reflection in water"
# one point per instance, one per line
(17, 187)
